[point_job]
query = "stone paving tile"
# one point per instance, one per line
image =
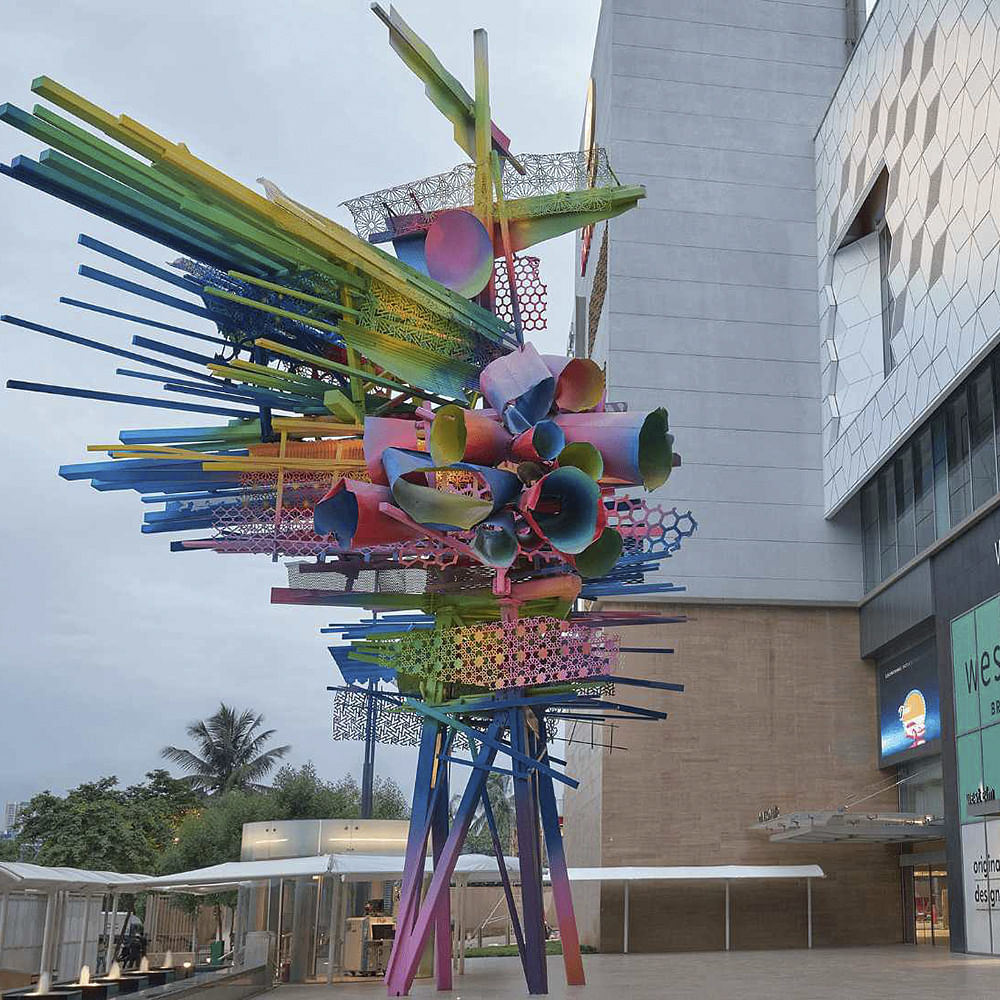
(822, 974)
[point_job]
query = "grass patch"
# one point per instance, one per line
(510, 950)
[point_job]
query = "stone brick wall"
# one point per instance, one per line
(778, 709)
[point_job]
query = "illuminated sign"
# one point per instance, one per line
(909, 705)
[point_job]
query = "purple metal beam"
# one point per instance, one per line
(529, 856)
(410, 944)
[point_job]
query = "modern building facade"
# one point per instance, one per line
(907, 155)
(810, 287)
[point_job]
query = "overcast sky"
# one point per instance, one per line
(111, 644)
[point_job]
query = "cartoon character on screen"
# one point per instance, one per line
(913, 716)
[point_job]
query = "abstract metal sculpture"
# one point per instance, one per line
(389, 427)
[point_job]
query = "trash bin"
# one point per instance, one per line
(215, 952)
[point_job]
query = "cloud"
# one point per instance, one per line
(110, 643)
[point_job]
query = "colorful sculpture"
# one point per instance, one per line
(387, 420)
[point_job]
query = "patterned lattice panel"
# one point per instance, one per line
(502, 654)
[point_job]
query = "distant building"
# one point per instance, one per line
(11, 813)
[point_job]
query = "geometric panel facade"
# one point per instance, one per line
(857, 327)
(921, 97)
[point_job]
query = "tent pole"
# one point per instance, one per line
(334, 930)
(45, 965)
(84, 930)
(625, 927)
(4, 902)
(62, 906)
(727, 914)
(110, 953)
(809, 912)
(463, 885)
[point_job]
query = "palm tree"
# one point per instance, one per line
(230, 751)
(479, 840)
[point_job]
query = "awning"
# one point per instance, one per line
(701, 873)
(470, 868)
(20, 876)
(694, 873)
(827, 827)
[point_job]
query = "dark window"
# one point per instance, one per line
(887, 522)
(948, 469)
(905, 543)
(869, 536)
(940, 460)
(983, 460)
(923, 489)
(884, 250)
(959, 477)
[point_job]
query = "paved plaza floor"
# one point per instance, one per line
(838, 974)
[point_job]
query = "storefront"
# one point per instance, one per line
(934, 633)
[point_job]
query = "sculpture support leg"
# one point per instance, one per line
(411, 942)
(442, 919)
(416, 844)
(504, 875)
(558, 873)
(529, 856)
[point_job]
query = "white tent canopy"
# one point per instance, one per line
(350, 867)
(694, 873)
(702, 873)
(19, 876)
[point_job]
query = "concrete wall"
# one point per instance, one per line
(922, 98)
(778, 710)
(582, 833)
(711, 302)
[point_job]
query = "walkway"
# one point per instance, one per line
(823, 974)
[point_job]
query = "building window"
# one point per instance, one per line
(869, 536)
(947, 470)
(923, 489)
(906, 547)
(597, 292)
(884, 249)
(862, 324)
(939, 453)
(982, 435)
(888, 560)
(959, 478)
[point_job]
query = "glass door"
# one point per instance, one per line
(930, 898)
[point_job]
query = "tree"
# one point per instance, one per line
(231, 748)
(302, 794)
(388, 800)
(213, 834)
(500, 792)
(101, 826)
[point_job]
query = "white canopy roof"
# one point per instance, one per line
(694, 873)
(18, 876)
(351, 867)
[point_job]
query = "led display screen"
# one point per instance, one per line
(909, 705)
